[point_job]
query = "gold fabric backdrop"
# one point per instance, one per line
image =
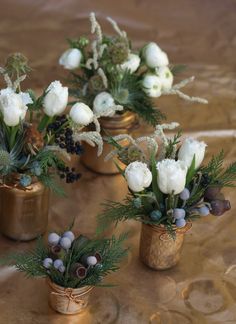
(201, 34)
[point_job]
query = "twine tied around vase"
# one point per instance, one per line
(68, 293)
(165, 236)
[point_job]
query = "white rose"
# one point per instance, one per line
(131, 64)
(166, 77)
(171, 176)
(152, 85)
(71, 59)
(189, 148)
(81, 114)
(103, 103)
(138, 176)
(56, 99)
(154, 56)
(13, 106)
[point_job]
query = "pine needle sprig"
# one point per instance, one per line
(115, 212)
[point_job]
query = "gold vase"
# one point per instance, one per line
(24, 213)
(110, 126)
(158, 250)
(68, 300)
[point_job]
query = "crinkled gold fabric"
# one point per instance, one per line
(202, 287)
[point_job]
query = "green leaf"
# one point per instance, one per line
(44, 122)
(155, 187)
(191, 171)
(179, 68)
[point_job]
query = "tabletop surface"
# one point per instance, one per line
(201, 289)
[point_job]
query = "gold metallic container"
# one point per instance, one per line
(110, 126)
(68, 300)
(158, 250)
(24, 213)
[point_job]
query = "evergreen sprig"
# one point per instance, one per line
(111, 251)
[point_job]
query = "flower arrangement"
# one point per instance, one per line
(69, 261)
(168, 185)
(39, 149)
(108, 76)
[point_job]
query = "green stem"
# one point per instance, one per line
(13, 133)
(44, 122)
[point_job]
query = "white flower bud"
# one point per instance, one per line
(56, 99)
(138, 176)
(81, 114)
(189, 148)
(131, 64)
(102, 104)
(171, 176)
(154, 56)
(152, 85)
(166, 77)
(71, 59)
(13, 106)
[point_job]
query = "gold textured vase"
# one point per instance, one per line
(158, 250)
(68, 300)
(24, 213)
(110, 126)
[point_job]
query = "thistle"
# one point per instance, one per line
(16, 65)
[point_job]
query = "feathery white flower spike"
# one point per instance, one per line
(114, 24)
(56, 148)
(92, 138)
(175, 91)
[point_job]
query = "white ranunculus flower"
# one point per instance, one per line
(13, 106)
(102, 104)
(152, 85)
(171, 176)
(166, 77)
(55, 101)
(71, 59)
(138, 176)
(81, 114)
(154, 56)
(131, 64)
(189, 148)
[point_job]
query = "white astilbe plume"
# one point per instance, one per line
(110, 110)
(159, 132)
(6, 78)
(175, 91)
(94, 59)
(95, 27)
(151, 143)
(59, 150)
(101, 49)
(18, 81)
(121, 33)
(97, 124)
(103, 77)
(92, 138)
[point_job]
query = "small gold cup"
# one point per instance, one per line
(111, 126)
(158, 250)
(68, 300)
(24, 213)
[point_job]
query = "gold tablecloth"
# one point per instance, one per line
(202, 288)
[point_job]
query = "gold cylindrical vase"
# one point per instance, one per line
(68, 300)
(110, 126)
(24, 212)
(158, 249)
